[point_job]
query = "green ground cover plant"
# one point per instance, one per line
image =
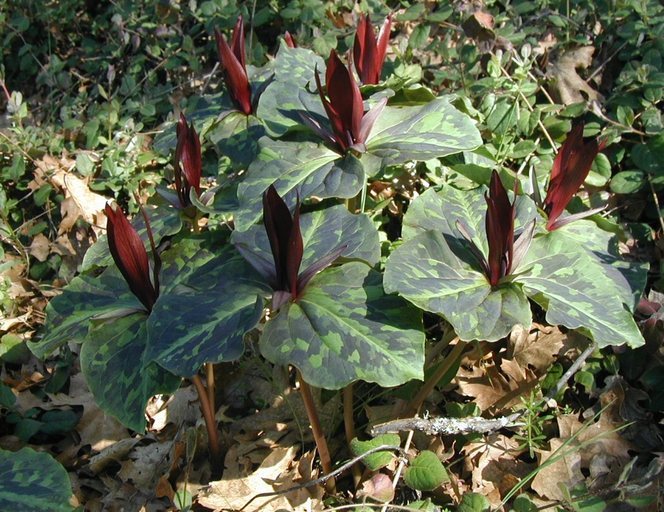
(383, 220)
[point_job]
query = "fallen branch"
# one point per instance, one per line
(448, 426)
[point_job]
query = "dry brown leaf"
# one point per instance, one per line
(567, 86)
(146, 464)
(79, 202)
(563, 470)
(40, 247)
(494, 466)
(535, 348)
(233, 494)
(494, 388)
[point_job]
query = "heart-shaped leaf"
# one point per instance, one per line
(344, 328)
(422, 132)
(425, 472)
(112, 361)
(278, 106)
(425, 270)
(377, 460)
(86, 297)
(574, 292)
(32, 482)
(204, 319)
(301, 169)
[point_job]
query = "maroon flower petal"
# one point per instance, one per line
(188, 161)
(570, 169)
(237, 42)
(235, 74)
(130, 256)
(295, 252)
(499, 223)
(345, 99)
(278, 225)
(291, 42)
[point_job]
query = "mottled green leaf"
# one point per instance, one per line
(344, 328)
(112, 361)
(377, 460)
(236, 136)
(425, 472)
(205, 318)
(68, 314)
(278, 106)
(627, 277)
(574, 292)
(296, 168)
(422, 132)
(322, 232)
(33, 481)
(164, 220)
(425, 271)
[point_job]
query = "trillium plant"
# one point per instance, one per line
(234, 65)
(282, 249)
(344, 107)
(368, 51)
(570, 169)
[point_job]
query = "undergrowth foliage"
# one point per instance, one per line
(284, 241)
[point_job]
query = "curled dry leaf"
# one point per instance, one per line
(278, 467)
(567, 85)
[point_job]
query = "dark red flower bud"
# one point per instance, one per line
(499, 224)
(291, 42)
(283, 232)
(570, 169)
(369, 53)
(130, 256)
(188, 163)
(233, 63)
(344, 107)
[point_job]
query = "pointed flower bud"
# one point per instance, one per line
(499, 225)
(283, 232)
(131, 257)
(285, 237)
(233, 63)
(291, 42)
(188, 163)
(570, 169)
(369, 52)
(344, 107)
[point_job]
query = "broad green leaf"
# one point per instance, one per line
(205, 319)
(425, 472)
(301, 169)
(322, 232)
(418, 133)
(236, 136)
(574, 292)
(112, 361)
(278, 106)
(441, 211)
(344, 328)
(377, 460)
(425, 271)
(165, 220)
(474, 502)
(627, 277)
(68, 314)
(33, 481)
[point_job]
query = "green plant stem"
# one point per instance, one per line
(349, 427)
(319, 436)
(439, 347)
(211, 387)
(414, 405)
(210, 423)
